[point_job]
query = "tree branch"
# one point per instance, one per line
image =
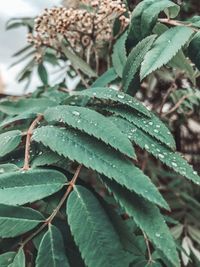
(28, 141)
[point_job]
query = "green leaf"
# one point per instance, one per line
(179, 61)
(177, 230)
(150, 14)
(51, 252)
(148, 218)
(97, 240)
(78, 63)
(35, 185)
(92, 123)
(99, 157)
(119, 55)
(9, 141)
(153, 126)
(193, 50)
(16, 22)
(42, 72)
(31, 105)
(9, 167)
(15, 221)
(194, 21)
(19, 260)
(172, 159)
(194, 233)
(165, 48)
(6, 259)
(134, 61)
(45, 157)
(21, 51)
(23, 116)
(135, 31)
(106, 78)
(103, 93)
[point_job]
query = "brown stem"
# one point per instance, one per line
(177, 23)
(82, 78)
(183, 98)
(150, 260)
(28, 141)
(54, 213)
(169, 91)
(70, 187)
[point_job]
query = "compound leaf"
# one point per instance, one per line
(99, 157)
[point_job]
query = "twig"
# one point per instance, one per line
(70, 187)
(82, 78)
(183, 98)
(28, 141)
(54, 213)
(171, 89)
(177, 23)
(148, 247)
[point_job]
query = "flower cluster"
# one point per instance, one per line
(83, 27)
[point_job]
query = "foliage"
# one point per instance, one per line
(78, 183)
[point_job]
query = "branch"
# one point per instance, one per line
(54, 213)
(148, 248)
(177, 23)
(28, 141)
(169, 91)
(183, 98)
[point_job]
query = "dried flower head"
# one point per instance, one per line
(82, 28)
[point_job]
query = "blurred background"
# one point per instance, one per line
(13, 40)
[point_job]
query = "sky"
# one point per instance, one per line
(13, 40)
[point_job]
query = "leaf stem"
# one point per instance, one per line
(177, 23)
(52, 216)
(150, 260)
(181, 100)
(28, 141)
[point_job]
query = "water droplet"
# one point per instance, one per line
(161, 156)
(1, 170)
(155, 131)
(150, 123)
(194, 172)
(157, 235)
(120, 96)
(146, 146)
(174, 164)
(76, 113)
